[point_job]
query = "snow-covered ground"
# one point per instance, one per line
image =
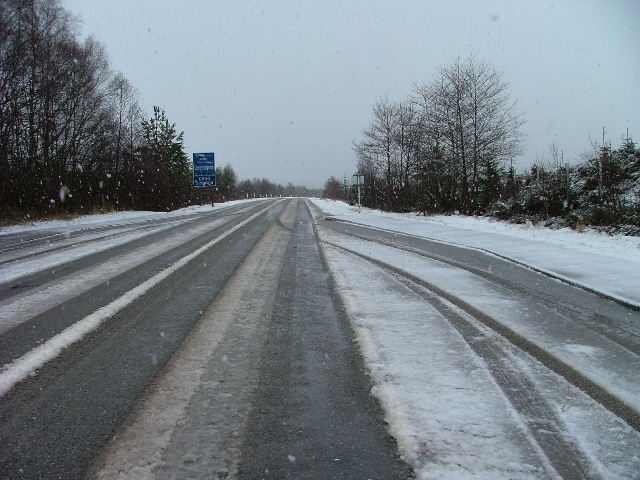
(122, 229)
(458, 413)
(115, 218)
(445, 404)
(13, 310)
(600, 262)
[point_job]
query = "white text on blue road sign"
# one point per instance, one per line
(204, 170)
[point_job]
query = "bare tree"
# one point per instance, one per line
(468, 108)
(384, 154)
(126, 116)
(68, 127)
(51, 106)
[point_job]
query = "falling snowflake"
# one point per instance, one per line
(63, 193)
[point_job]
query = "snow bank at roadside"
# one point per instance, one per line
(116, 217)
(603, 263)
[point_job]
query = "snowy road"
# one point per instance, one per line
(97, 339)
(176, 351)
(487, 368)
(244, 342)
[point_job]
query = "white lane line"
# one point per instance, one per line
(18, 370)
(14, 270)
(237, 314)
(22, 307)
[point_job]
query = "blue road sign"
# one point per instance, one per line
(204, 170)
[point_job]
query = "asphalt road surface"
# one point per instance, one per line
(280, 357)
(215, 345)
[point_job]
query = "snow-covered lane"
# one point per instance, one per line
(442, 406)
(20, 368)
(599, 262)
(43, 295)
(14, 270)
(601, 360)
(110, 235)
(450, 417)
(424, 374)
(115, 219)
(24, 306)
(69, 239)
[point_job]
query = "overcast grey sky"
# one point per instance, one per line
(280, 89)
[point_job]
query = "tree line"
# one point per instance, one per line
(450, 147)
(229, 188)
(73, 137)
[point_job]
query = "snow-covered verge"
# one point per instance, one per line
(456, 415)
(116, 218)
(603, 263)
(450, 417)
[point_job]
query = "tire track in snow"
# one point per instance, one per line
(556, 276)
(545, 427)
(616, 333)
(568, 372)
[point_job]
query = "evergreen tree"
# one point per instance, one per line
(226, 181)
(333, 189)
(165, 167)
(608, 182)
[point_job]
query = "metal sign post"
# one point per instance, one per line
(358, 180)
